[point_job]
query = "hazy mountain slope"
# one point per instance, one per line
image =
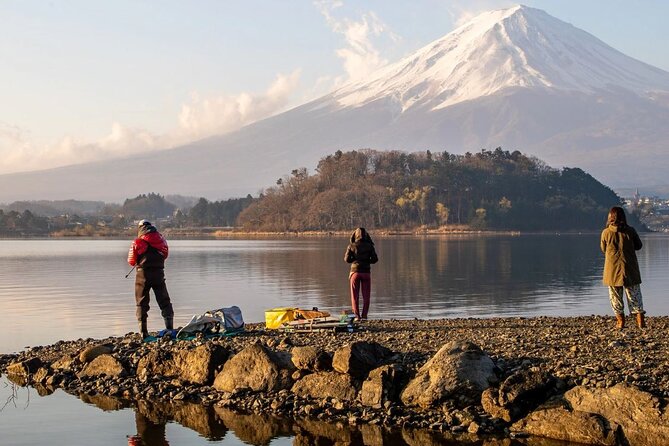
(516, 78)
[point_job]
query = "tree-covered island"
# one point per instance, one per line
(498, 190)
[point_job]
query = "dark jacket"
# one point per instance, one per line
(619, 243)
(149, 250)
(360, 253)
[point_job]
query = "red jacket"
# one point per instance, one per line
(138, 255)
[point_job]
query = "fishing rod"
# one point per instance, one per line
(133, 268)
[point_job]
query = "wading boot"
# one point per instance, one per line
(620, 321)
(169, 323)
(641, 320)
(143, 330)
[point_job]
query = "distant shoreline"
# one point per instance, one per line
(225, 233)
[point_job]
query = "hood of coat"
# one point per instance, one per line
(156, 240)
(617, 228)
(360, 234)
(146, 229)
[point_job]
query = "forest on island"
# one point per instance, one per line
(491, 189)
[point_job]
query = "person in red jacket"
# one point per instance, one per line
(148, 253)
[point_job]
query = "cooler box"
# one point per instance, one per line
(275, 317)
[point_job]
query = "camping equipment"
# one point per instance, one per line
(229, 319)
(276, 317)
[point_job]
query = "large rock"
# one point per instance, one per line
(256, 368)
(459, 369)
(64, 363)
(198, 365)
(358, 358)
(311, 358)
(560, 423)
(382, 384)
(90, 353)
(104, 365)
(201, 364)
(41, 375)
(157, 362)
(643, 417)
(490, 403)
(518, 394)
(326, 384)
(24, 368)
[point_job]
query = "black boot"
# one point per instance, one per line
(143, 330)
(169, 322)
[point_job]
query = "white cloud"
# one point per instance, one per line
(201, 117)
(360, 56)
(204, 117)
(19, 153)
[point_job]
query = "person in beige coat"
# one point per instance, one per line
(619, 243)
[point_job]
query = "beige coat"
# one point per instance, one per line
(621, 267)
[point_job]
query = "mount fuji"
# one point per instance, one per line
(517, 78)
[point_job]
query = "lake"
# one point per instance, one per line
(69, 289)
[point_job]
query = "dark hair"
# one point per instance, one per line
(616, 217)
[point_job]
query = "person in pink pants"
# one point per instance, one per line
(361, 254)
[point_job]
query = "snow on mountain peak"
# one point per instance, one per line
(515, 47)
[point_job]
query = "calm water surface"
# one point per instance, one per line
(68, 289)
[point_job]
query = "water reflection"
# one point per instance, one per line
(215, 423)
(450, 276)
(150, 423)
(149, 433)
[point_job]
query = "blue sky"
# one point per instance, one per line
(84, 80)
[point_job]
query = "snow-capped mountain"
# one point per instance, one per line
(515, 47)
(516, 78)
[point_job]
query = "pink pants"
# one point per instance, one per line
(360, 281)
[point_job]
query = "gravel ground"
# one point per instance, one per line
(585, 351)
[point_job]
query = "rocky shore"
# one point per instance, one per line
(498, 381)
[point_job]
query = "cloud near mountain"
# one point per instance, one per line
(200, 118)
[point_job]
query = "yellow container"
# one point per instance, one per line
(275, 317)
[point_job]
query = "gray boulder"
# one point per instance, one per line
(490, 403)
(459, 369)
(103, 365)
(326, 385)
(518, 394)
(311, 358)
(256, 368)
(41, 375)
(560, 423)
(90, 353)
(382, 384)
(198, 365)
(64, 363)
(358, 358)
(24, 368)
(643, 417)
